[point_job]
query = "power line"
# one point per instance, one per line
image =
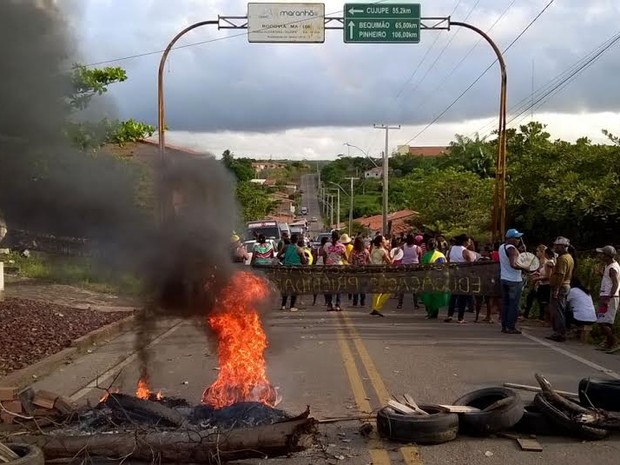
(417, 68)
(529, 102)
(454, 102)
(443, 50)
(558, 87)
(202, 42)
(469, 52)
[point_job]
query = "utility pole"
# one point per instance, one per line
(351, 206)
(386, 168)
(331, 216)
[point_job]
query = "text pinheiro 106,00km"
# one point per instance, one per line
(382, 23)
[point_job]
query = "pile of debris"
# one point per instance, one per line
(589, 415)
(164, 429)
(31, 408)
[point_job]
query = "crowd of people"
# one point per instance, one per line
(563, 301)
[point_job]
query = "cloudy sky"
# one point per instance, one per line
(307, 100)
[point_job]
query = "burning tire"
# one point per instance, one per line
(600, 393)
(28, 455)
(436, 428)
(500, 410)
(564, 423)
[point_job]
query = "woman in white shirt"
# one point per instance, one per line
(579, 305)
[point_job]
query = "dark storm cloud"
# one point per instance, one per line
(233, 85)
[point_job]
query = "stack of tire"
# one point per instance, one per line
(501, 409)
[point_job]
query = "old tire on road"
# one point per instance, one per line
(28, 455)
(436, 428)
(534, 422)
(600, 393)
(505, 409)
(564, 424)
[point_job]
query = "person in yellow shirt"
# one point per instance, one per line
(348, 245)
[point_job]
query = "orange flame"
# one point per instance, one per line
(241, 345)
(108, 392)
(143, 391)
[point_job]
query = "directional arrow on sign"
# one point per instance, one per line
(351, 26)
(355, 10)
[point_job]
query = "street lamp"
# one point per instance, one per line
(338, 206)
(350, 199)
(363, 151)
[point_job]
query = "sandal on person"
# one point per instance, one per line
(448, 320)
(602, 347)
(375, 312)
(613, 350)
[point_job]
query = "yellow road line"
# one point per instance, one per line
(371, 369)
(378, 454)
(411, 454)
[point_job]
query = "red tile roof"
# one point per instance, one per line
(428, 151)
(375, 223)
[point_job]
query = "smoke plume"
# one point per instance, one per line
(49, 188)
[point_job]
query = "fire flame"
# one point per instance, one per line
(108, 392)
(144, 392)
(241, 345)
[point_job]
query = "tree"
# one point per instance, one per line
(447, 200)
(241, 167)
(475, 155)
(254, 201)
(87, 83)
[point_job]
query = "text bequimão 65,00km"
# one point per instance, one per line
(382, 23)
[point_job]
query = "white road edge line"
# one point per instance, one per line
(575, 357)
(109, 374)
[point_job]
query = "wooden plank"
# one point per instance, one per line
(401, 408)
(526, 387)
(45, 399)
(480, 278)
(459, 408)
(6, 454)
(65, 405)
(411, 403)
(530, 445)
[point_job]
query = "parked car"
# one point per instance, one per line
(314, 219)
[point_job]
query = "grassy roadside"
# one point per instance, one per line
(76, 271)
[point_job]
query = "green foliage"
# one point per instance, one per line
(92, 135)
(240, 167)
(563, 188)
(254, 201)
(130, 131)
(614, 139)
(447, 200)
(474, 155)
(76, 271)
(88, 82)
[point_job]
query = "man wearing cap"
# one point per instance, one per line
(511, 281)
(609, 297)
(560, 286)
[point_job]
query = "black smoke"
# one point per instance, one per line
(47, 187)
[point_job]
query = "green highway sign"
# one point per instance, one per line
(382, 23)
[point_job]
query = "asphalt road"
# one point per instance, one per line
(309, 198)
(349, 363)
